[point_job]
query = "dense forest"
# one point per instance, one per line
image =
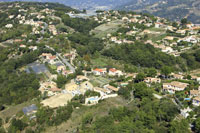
(85, 43)
(16, 86)
(140, 54)
(192, 59)
(79, 24)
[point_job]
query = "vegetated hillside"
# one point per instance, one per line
(170, 9)
(137, 4)
(141, 54)
(38, 5)
(84, 4)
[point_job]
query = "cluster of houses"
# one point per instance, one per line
(35, 19)
(77, 86)
(30, 47)
(52, 29)
(110, 72)
(169, 87)
(174, 86)
(55, 63)
(169, 44)
(59, 97)
(195, 95)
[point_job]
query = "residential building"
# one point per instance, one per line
(115, 72)
(99, 71)
(61, 68)
(194, 93)
(113, 39)
(81, 78)
(22, 46)
(152, 80)
(174, 86)
(71, 87)
(196, 101)
(178, 76)
(111, 88)
(9, 26)
(182, 32)
(158, 25)
(102, 91)
(185, 112)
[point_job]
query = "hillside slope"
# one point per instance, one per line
(170, 9)
(84, 4)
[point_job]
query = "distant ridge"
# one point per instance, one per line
(170, 9)
(84, 4)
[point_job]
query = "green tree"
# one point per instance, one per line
(152, 72)
(17, 125)
(184, 21)
(179, 126)
(197, 125)
(1, 107)
(141, 90)
(1, 122)
(140, 77)
(87, 119)
(166, 71)
(174, 24)
(61, 81)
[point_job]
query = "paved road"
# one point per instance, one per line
(65, 61)
(2, 45)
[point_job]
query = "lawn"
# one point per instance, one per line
(104, 29)
(103, 61)
(99, 62)
(53, 67)
(155, 38)
(157, 29)
(99, 81)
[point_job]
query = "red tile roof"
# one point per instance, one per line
(52, 57)
(113, 70)
(99, 70)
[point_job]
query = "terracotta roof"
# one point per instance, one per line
(52, 57)
(113, 70)
(99, 70)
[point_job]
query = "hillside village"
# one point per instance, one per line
(66, 77)
(171, 38)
